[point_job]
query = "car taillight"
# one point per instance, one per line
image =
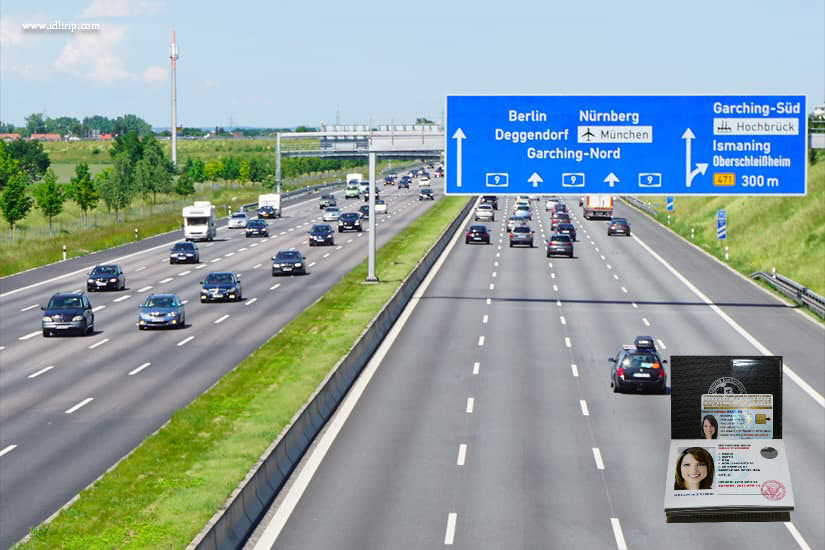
(620, 372)
(511, 235)
(661, 373)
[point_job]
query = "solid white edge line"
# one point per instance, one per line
(470, 405)
(8, 449)
(597, 456)
(617, 534)
(807, 388)
(575, 369)
(791, 527)
(449, 535)
(41, 371)
(462, 454)
(81, 404)
(294, 492)
(140, 368)
(585, 410)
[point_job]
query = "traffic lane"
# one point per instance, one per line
(394, 460)
(766, 318)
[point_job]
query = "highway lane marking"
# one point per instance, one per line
(291, 229)
(481, 340)
(602, 257)
(182, 273)
(634, 304)
(615, 276)
(558, 303)
(462, 454)
(449, 536)
(253, 245)
(81, 404)
(646, 322)
(221, 319)
(492, 286)
(567, 342)
(791, 527)
(256, 266)
(2, 348)
(499, 247)
(140, 368)
(8, 449)
(470, 405)
(252, 301)
(229, 254)
(597, 249)
(312, 264)
(185, 340)
(495, 264)
(617, 534)
(184, 302)
(97, 344)
(476, 367)
(201, 266)
(661, 344)
(563, 320)
(281, 233)
(97, 308)
(585, 410)
(41, 371)
(624, 290)
(575, 370)
(550, 265)
(141, 268)
(29, 335)
(164, 281)
(552, 275)
(807, 388)
(30, 307)
(494, 274)
(339, 247)
(122, 298)
(214, 260)
(349, 241)
(242, 249)
(325, 255)
(555, 288)
(144, 289)
(609, 266)
(485, 319)
(274, 286)
(489, 301)
(597, 455)
(498, 254)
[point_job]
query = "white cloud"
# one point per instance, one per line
(92, 56)
(10, 32)
(122, 8)
(154, 73)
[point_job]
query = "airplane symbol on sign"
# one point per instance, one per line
(588, 134)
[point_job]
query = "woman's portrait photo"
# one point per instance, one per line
(694, 470)
(710, 429)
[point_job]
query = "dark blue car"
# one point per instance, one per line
(221, 285)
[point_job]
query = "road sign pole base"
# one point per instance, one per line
(371, 280)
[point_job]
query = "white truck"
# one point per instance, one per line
(199, 221)
(353, 189)
(598, 206)
(269, 205)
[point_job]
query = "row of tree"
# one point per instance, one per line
(37, 123)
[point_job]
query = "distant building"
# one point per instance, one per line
(238, 135)
(45, 137)
(106, 137)
(9, 137)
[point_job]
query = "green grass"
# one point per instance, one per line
(787, 233)
(163, 494)
(65, 171)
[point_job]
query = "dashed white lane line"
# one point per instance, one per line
(228, 254)
(201, 266)
(617, 534)
(567, 342)
(339, 247)
(495, 264)
(470, 405)
(256, 266)
(585, 410)
(563, 320)
(462, 454)
(481, 340)
(282, 233)
(252, 301)
(597, 249)
(634, 305)
(550, 265)
(558, 303)
(492, 286)
(242, 249)
(498, 254)
(140, 368)
(609, 266)
(97, 308)
(494, 274)
(185, 341)
(661, 344)
(30, 307)
(476, 367)
(273, 287)
(624, 290)
(2, 348)
(575, 370)
(552, 275)
(597, 456)
(489, 301)
(312, 264)
(41, 371)
(791, 527)
(646, 322)
(214, 260)
(144, 289)
(8, 449)
(602, 257)
(325, 255)
(349, 241)
(615, 276)
(253, 245)
(182, 273)
(116, 300)
(221, 319)
(141, 268)
(98, 344)
(499, 247)
(184, 302)
(485, 319)
(81, 404)
(29, 335)
(555, 288)
(166, 280)
(449, 536)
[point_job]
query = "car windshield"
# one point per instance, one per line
(64, 302)
(183, 247)
(565, 226)
(521, 229)
(239, 215)
(288, 255)
(560, 238)
(618, 220)
(333, 209)
(349, 216)
(218, 278)
(321, 228)
(642, 360)
(380, 201)
(160, 301)
(104, 270)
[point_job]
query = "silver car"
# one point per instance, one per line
(331, 213)
(238, 220)
(485, 212)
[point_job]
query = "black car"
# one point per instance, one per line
(426, 194)
(257, 228)
(184, 252)
(366, 194)
(638, 367)
(404, 182)
(161, 310)
(104, 277)
(364, 212)
(477, 234)
(567, 229)
(327, 200)
(67, 313)
(560, 207)
(490, 199)
(267, 212)
(389, 180)
(221, 285)
(287, 262)
(521, 234)
(320, 234)
(349, 221)
(618, 226)
(560, 245)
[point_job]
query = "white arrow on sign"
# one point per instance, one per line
(458, 136)
(611, 179)
(701, 167)
(535, 179)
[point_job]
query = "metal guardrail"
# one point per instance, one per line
(640, 204)
(790, 288)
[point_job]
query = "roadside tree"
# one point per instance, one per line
(49, 197)
(30, 156)
(14, 201)
(83, 191)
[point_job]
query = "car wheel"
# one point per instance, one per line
(511, 245)
(628, 233)
(615, 386)
(45, 333)
(548, 254)
(171, 262)
(141, 327)
(466, 241)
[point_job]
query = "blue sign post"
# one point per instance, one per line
(669, 204)
(633, 145)
(721, 225)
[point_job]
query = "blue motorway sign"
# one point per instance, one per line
(631, 145)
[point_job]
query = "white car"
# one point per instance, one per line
(331, 213)
(485, 212)
(550, 203)
(380, 206)
(238, 220)
(423, 181)
(521, 205)
(523, 212)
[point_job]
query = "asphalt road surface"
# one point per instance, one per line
(71, 407)
(490, 422)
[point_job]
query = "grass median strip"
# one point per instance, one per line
(163, 494)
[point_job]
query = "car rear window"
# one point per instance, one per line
(642, 360)
(560, 238)
(521, 229)
(479, 228)
(184, 246)
(318, 228)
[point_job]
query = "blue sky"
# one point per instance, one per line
(288, 62)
